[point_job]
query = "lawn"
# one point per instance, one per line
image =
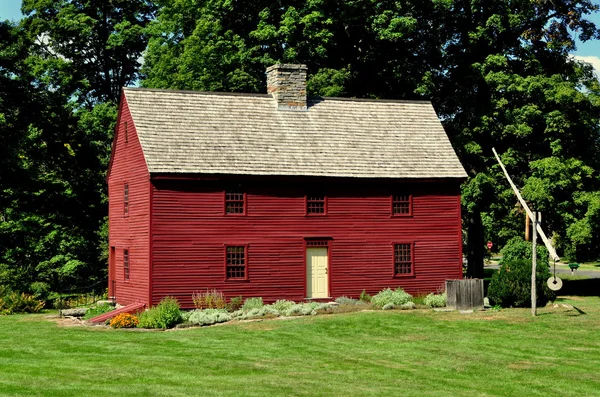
(376, 353)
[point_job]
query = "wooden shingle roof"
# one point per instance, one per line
(221, 133)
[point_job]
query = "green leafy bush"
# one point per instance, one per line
(404, 306)
(164, 315)
(98, 310)
(365, 297)
(282, 305)
(396, 297)
(40, 290)
(209, 316)
(511, 285)
(252, 313)
(305, 309)
(435, 300)
(14, 302)
(344, 300)
(211, 299)
(518, 249)
(235, 303)
(253, 303)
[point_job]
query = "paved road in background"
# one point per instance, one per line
(562, 270)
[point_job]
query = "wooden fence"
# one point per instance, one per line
(465, 294)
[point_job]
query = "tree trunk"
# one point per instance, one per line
(475, 245)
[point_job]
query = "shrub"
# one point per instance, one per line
(404, 306)
(164, 315)
(209, 316)
(511, 285)
(40, 290)
(14, 302)
(365, 297)
(209, 300)
(518, 249)
(282, 305)
(185, 315)
(124, 320)
(235, 303)
(344, 300)
(396, 297)
(252, 313)
(305, 309)
(98, 310)
(435, 300)
(252, 303)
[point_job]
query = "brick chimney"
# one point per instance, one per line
(287, 83)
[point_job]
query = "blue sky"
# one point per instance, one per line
(589, 52)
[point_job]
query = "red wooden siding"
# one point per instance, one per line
(190, 231)
(129, 231)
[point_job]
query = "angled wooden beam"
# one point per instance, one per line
(547, 243)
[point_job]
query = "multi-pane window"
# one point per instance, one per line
(235, 262)
(402, 259)
(315, 205)
(401, 205)
(234, 203)
(126, 199)
(126, 264)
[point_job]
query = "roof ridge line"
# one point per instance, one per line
(312, 99)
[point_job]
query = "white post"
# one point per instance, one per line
(534, 265)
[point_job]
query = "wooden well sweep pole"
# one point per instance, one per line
(538, 228)
(534, 265)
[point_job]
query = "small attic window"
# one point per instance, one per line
(316, 204)
(401, 205)
(235, 203)
(126, 131)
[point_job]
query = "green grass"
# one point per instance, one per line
(375, 353)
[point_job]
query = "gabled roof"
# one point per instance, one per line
(222, 133)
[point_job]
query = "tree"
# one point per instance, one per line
(510, 83)
(63, 68)
(498, 73)
(40, 238)
(89, 48)
(354, 48)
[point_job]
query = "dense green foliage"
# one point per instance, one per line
(435, 300)
(98, 310)
(253, 303)
(511, 285)
(498, 72)
(14, 302)
(387, 297)
(517, 249)
(370, 353)
(208, 316)
(61, 70)
(164, 315)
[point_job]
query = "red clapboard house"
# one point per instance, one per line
(279, 196)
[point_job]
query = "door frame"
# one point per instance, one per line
(316, 242)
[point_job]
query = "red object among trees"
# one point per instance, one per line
(258, 195)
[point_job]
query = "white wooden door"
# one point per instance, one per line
(317, 281)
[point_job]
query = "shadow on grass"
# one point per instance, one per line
(587, 287)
